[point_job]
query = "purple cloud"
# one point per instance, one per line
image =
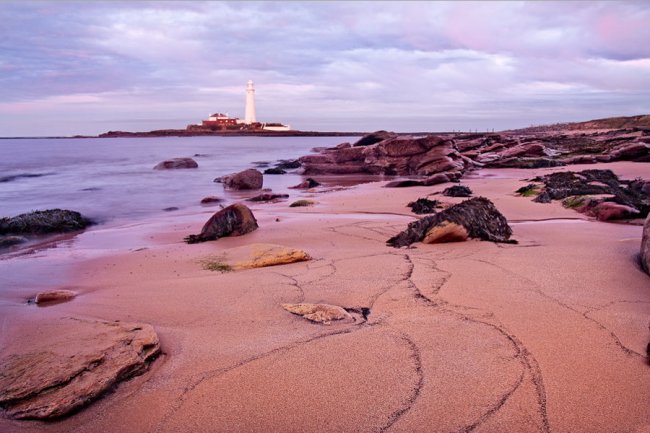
(93, 66)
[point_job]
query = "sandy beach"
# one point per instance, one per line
(548, 335)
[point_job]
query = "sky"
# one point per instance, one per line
(79, 67)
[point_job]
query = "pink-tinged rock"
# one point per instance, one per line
(54, 296)
(630, 151)
(645, 246)
(176, 163)
(606, 211)
(319, 313)
(50, 371)
(531, 149)
(247, 179)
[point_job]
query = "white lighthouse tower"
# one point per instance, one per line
(250, 104)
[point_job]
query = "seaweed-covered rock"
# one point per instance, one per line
(561, 185)
(235, 220)
(274, 170)
(176, 163)
(457, 191)
(645, 246)
(288, 164)
(44, 221)
(479, 217)
(423, 206)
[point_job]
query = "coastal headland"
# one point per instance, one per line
(545, 330)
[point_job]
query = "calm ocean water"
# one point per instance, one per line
(111, 179)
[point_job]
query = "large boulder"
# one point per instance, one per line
(235, 220)
(44, 221)
(645, 246)
(175, 163)
(247, 179)
(50, 371)
(478, 217)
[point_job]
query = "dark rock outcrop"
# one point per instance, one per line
(274, 170)
(457, 191)
(44, 222)
(268, 197)
(630, 196)
(374, 137)
(53, 370)
(176, 163)
(288, 164)
(235, 220)
(247, 179)
(10, 241)
(645, 246)
(478, 217)
(423, 206)
(308, 183)
(211, 199)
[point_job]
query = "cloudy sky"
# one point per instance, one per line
(89, 67)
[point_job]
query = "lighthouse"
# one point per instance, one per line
(250, 104)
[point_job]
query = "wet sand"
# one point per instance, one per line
(547, 335)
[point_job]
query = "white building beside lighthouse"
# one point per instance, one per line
(249, 116)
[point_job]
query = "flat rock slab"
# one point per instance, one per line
(319, 313)
(262, 255)
(53, 370)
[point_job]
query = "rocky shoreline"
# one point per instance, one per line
(273, 313)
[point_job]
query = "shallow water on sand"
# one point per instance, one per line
(113, 178)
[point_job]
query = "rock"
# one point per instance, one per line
(235, 220)
(561, 185)
(261, 255)
(645, 246)
(444, 232)
(51, 371)
(170, 209)
(478, 216)
(530, 149)
(54, 296)
(442, 178)
(423, 205)
(288, 164)
(22, 176)
(274, 171)
(302, 203)
(631, 151)
(374, 137)
(268, 197)
(319, 313)
(396, 155)
(9, 241)
(247, 179)
(176, 163)
(308, 183)
(404, 183)
(606, 211)
(211, 199)
(46, 221)
(457, 191)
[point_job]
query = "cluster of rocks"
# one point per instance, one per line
(387, 153)
(597, 193)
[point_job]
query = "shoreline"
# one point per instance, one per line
(524, 332)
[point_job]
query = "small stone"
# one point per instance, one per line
(319, 313)
(54, 296)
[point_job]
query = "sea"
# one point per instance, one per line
(112, 181)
